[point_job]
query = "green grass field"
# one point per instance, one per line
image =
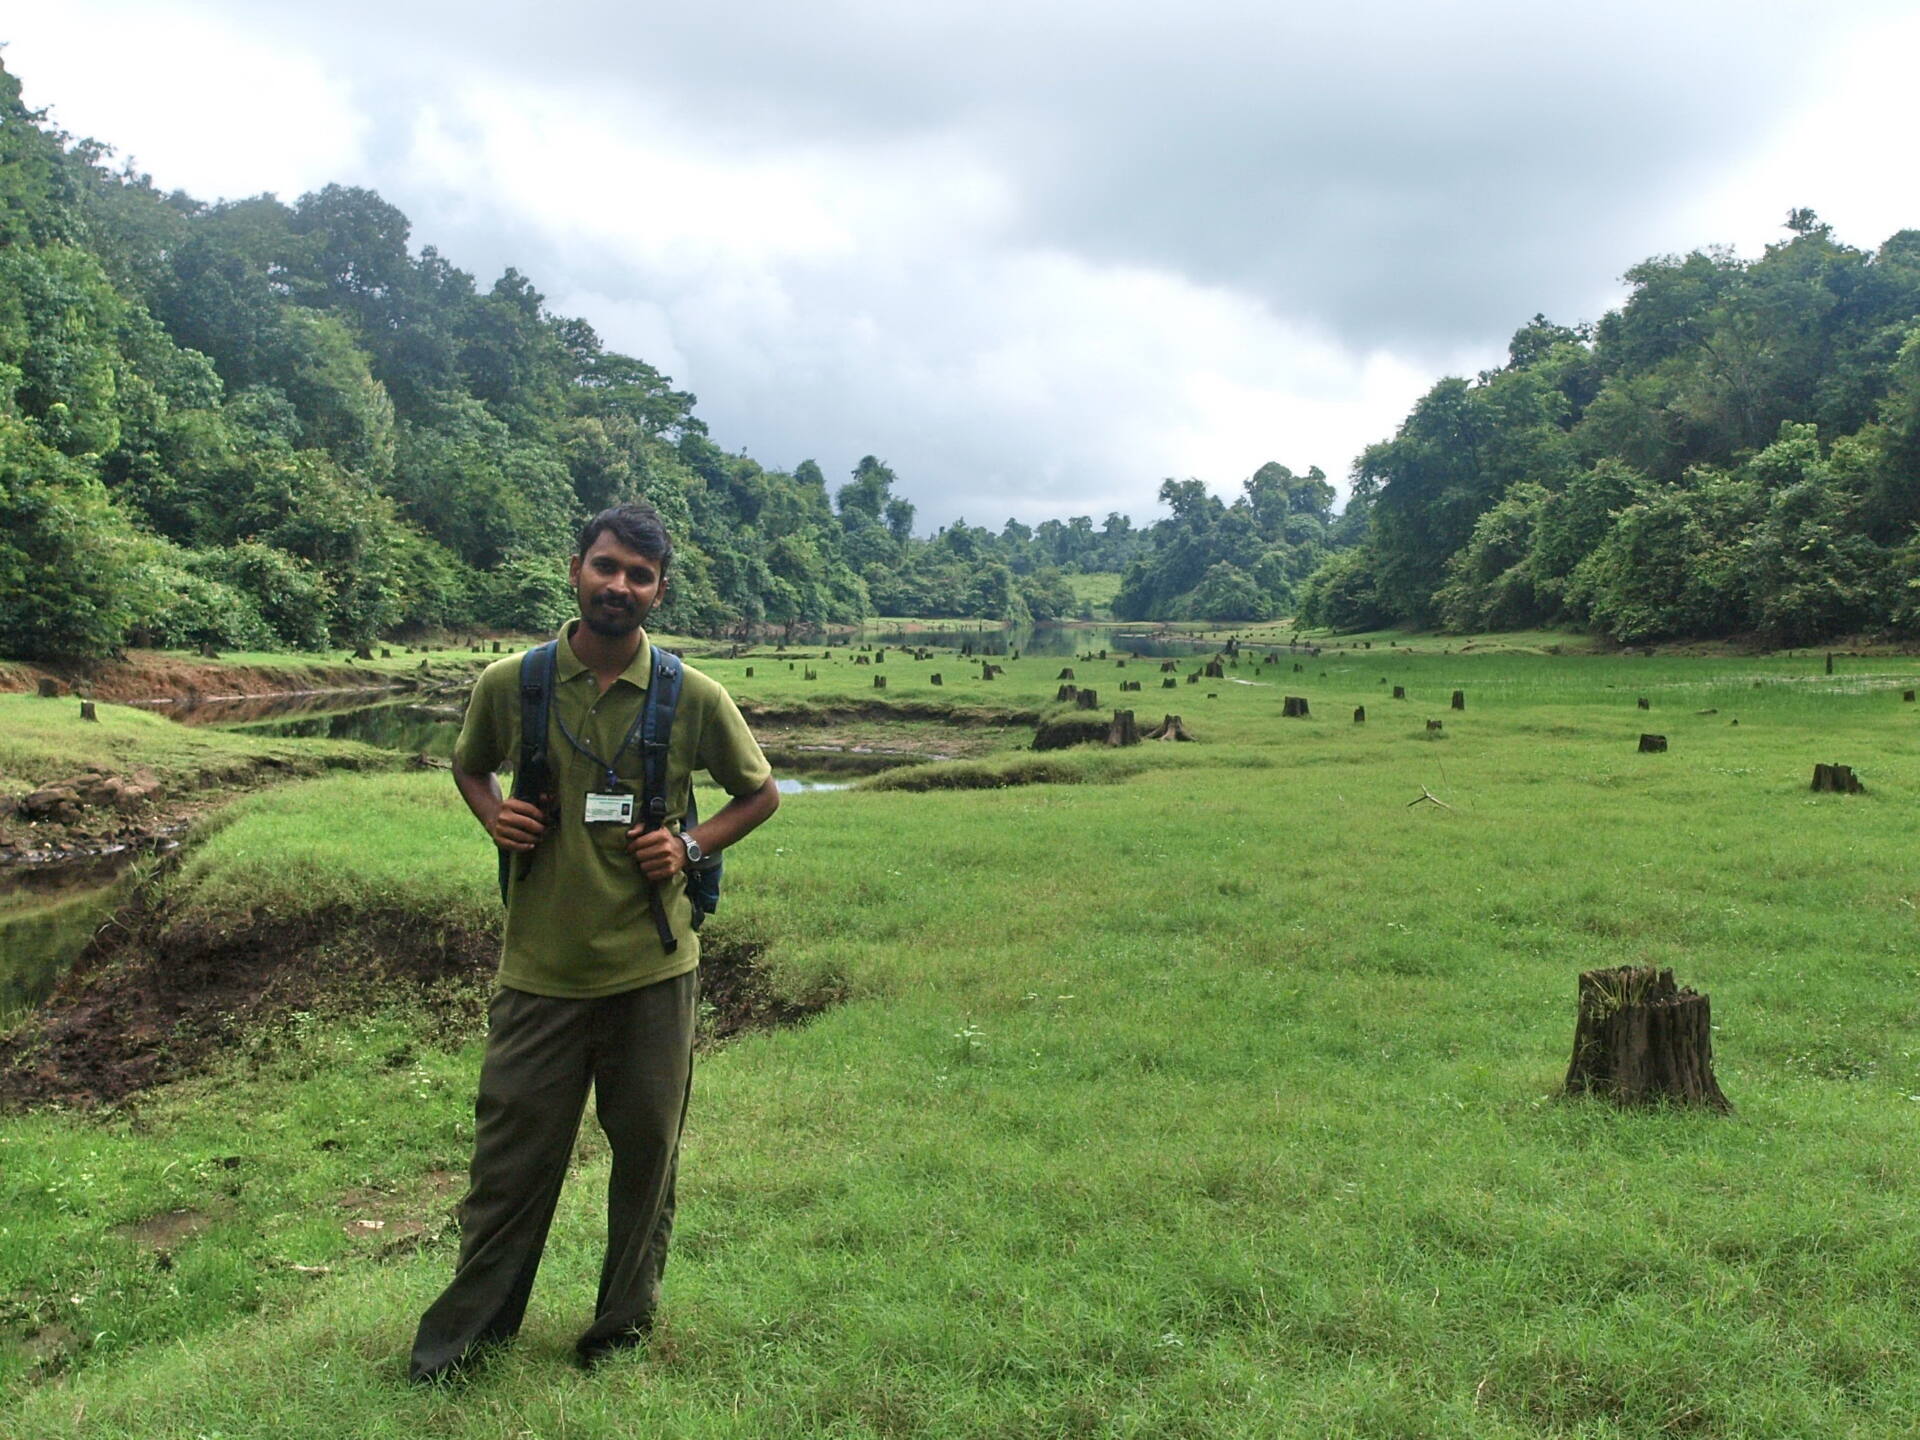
(1190, 1090)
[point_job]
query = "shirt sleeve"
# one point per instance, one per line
(728, 751)
(487, 734)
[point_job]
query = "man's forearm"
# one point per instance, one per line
(738, 818)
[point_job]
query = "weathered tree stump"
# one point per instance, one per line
(1126, 685)
(1829, 662)
(880, 656)
(1399, 692)
(750, 672)
(1069, 691)
(1193, 677)
(1293, 707)
(1168, 667)
(1907, 695)
(1359, 714)
(87, 711)
(1433, 725)
(1169, 729)
(935, 678)
(385, 654)
(496, 647)
(1215, 670)
(1653, 744)
(207, 652)
(1459, 699)
(988, 670)
(1641, 1039)
(1837, 780)
(1065, 674)
(1169, 683)
(862, 660)
(49, 688)
(879, 682)
(1123, 731)
(812, 674)
(1642, 704)
(1086, 699)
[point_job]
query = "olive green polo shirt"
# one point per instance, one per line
(578, 921)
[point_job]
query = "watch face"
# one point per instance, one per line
(694, 853)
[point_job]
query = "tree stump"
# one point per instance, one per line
(1065, 674)
(879, 682)
(1123, 731)
(1433, 725)
(1193, 677)
(880, 656)
(1215, 670)
(935, 677)
(1837, 780)
(988, 670)
(1399, 692)
(496, 647)
(1653, 744)
(1359, 714)
(750, 673)
(812, 674)
(49, 688)
(1086, 699)
(87, 711)
(1907, 695)
(385, 654)
(1169, 683)
(1459, 699)
(1642, 703)
(1641, 1039)
(1127, 685)
(1068, 691)
(1168, 667)
(1829, 662)
(861, 660)
(1294, 707)
(1169, 729)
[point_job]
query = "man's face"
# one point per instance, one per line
(616, 587)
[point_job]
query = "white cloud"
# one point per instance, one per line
(1038, 257)
(185, 95)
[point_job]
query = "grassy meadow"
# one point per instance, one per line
(1185, 1090)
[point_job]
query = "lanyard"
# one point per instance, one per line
(613, 780)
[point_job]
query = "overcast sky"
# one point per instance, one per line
(1036, 256)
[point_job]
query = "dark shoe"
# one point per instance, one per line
(592, 1352)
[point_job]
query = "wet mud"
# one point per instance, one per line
(150, 1002)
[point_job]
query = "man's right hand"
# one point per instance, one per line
(517, 825)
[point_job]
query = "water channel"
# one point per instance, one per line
(48, 913)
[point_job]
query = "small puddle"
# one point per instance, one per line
(47, 916)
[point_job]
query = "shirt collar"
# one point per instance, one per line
(567, 664)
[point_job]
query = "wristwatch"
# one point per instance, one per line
(694, 853)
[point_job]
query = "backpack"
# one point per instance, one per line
(653, 729)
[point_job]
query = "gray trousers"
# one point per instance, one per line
(635, 1050)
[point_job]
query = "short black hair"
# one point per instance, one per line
(636, 525)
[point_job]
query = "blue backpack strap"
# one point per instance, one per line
(532, 772)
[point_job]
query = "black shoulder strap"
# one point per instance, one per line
(536, 700)
(656, 738)
(530, 766)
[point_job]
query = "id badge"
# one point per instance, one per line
(606, 808)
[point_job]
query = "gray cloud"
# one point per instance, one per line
(1040, 256)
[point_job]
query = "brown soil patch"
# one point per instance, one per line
(150, 1002)
(163, 1232)
(158, 675)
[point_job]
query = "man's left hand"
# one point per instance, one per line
(658, 853)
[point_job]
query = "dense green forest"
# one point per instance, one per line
(1736, 451)
(254, 424)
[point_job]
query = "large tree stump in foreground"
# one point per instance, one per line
(1123, 731)
(1169, 729)
(1641, 1039)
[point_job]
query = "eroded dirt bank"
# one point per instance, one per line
(151, 1001)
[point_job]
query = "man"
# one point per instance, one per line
(597, 982)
